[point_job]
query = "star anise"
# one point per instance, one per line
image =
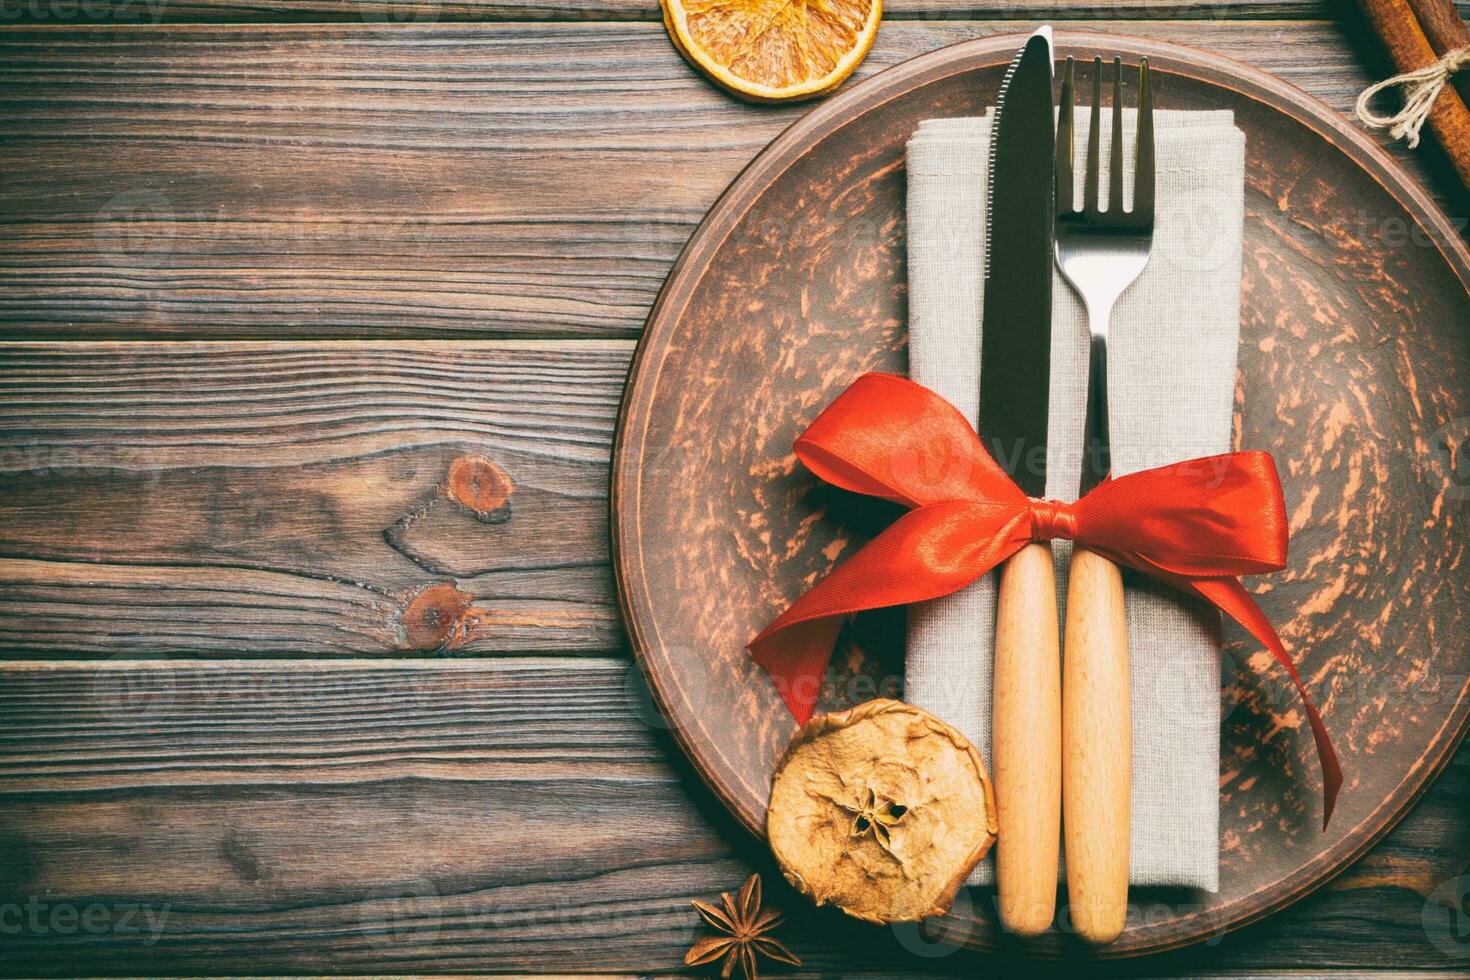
(873, 814)
(744, 926)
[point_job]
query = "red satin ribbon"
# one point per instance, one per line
(1196, 525)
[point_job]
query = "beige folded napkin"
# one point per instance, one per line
(1171, 384)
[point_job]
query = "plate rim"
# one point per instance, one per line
(866, 95)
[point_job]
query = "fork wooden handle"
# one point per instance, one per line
(1097, 740)
(1026, 736)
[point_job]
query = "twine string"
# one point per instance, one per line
(1421, 87)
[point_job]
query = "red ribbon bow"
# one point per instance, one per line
(1195, 525)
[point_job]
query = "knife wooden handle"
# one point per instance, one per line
(1097, 740)
(1026, 736)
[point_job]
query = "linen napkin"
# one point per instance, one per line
(1171, 379)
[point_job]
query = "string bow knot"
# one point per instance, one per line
(1197, 525)
(1421, 87)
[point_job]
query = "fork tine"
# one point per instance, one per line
(1143, 169)
(1064, 142)
(1115, 155)
(1094, 140)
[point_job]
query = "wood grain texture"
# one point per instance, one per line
(1026, 741)
(334, 181)
(1447, 31)
(1097, 748)
(1351, 375)
(391, 15)
(391, 177)
(306, 499)
(475, 817)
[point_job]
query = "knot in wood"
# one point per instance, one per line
(437, 616)
(480, 486)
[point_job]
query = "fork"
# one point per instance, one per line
(1100, 253)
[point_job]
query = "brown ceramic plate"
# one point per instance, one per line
(1354, 372)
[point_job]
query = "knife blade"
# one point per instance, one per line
(1015, 343)
(1015, 377)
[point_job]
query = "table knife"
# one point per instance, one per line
(1015, 377)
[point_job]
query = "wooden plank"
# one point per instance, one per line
(331, 181)
(391, 14)
(394, 817)
(490, 816)
(320, 499)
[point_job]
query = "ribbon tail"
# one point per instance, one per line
(1232, 598)
(929, 552)
(795, 657)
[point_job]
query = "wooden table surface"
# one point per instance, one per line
(316, 317)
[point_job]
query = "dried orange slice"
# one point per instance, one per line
(774, 50)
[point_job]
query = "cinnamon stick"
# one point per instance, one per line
(1447, 32)
(1395, 23)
